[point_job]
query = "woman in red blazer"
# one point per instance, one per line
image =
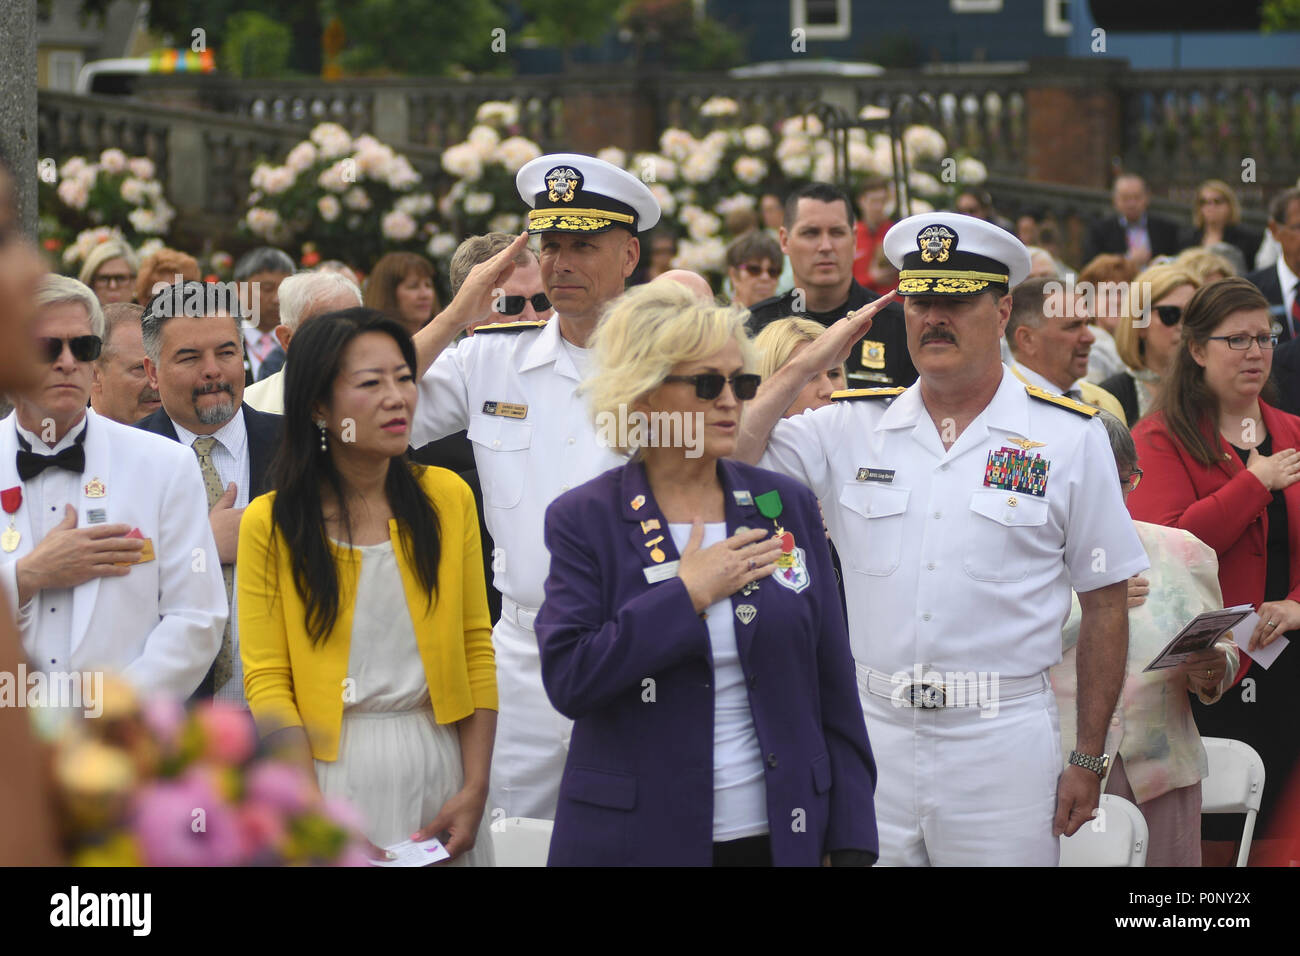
(1221, 463)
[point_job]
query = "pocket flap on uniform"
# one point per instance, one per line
(821, 773)
(500, 434)
(1010, 508)
(603, 788)
(874, 501)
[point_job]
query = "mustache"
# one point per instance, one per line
(149, 394)
(938, 335)
(213, 389)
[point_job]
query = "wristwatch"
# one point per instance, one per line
(1098, 765)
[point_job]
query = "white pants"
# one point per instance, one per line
(532, 739)
(958, 788)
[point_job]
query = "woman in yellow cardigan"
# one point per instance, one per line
(363, 619)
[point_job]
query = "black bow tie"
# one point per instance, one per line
(30, 464)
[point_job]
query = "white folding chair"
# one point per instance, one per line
(519, 841)
(1235, 784)
(1116, 836)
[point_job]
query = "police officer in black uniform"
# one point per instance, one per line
(818, 237)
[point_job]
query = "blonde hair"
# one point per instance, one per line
(1224, 190)
(648, 331)
(1203, 263)
(56, 289)
(1161, 281)
(779, 340)
(104, 252)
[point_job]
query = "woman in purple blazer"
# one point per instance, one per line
(691, 628)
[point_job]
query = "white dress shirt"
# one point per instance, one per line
(230, 458)
(47, 495)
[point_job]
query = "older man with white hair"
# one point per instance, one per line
(106, 554)
(302, 297)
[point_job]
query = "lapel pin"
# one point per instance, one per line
(650, 524)
(656, 554)
(95, 488)
(746, 613)
(743, 498)
(637, 502)
(749, 589)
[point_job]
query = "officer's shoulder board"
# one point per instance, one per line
(1064, 401)
(509, 327)
(853, 394)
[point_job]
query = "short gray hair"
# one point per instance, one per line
(1121, 442)
(299, 293)
(115, 315)
(478, 249)
(263, 259)
(56, 289)
(105, 251)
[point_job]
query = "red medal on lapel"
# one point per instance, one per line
(11, 499)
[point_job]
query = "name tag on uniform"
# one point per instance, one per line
(505, 409)
(885, 475)
(662, 572)
(96, 516)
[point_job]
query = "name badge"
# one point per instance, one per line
(505, 409)
(662, 572)
(885, 475)
(96, 516)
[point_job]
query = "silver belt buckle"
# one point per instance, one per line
(926, 694)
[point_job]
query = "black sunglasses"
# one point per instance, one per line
(514, 304)
(708, 385)
(1170, 315)
(85, 348)
(773, 272)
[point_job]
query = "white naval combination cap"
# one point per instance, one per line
(570, 192)
(946, 253)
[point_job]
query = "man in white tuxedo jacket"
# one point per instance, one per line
(107, 555)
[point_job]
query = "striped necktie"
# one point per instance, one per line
(221, 668)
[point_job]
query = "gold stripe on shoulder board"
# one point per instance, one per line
(509, 326)
(849, 394)
(1043, 395)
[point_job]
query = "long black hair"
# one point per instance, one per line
(301, 469)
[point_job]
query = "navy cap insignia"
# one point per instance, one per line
(936, 243)
(563, 183)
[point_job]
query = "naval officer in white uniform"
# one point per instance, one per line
(964, 509)
(514, 386)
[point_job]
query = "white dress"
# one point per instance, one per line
(396, 764)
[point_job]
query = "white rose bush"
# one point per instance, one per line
(84, 202)
(339, 197)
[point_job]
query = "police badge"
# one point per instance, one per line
(936, 243)
(563, 183)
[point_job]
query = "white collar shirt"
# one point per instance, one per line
(46, 619)
(1033, 378)
(525, 462)
(944, 569)
(230, 458)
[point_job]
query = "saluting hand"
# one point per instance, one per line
(834, 346)
(1277, 471)
(477, 293)
(720, 571)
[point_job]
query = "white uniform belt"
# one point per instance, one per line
(966, 689)
(518, 614)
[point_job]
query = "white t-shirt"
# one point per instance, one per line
(739, 790)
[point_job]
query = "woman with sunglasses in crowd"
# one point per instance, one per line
(1147, 337)
(691, 627)
(1221, 462)
(754, 264)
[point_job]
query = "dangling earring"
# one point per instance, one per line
(323, 433)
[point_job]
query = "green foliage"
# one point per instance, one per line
(1280, 15)
(569, 23)
(419, 36)
(255, 46)
(708, 45)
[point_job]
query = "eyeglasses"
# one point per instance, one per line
(708, 385)
(110, 281)
(1131, 480)
(1212, 201)
(773, 272)
(514, 304)
(1241, 341)
(85, 348)
(1170, 315)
